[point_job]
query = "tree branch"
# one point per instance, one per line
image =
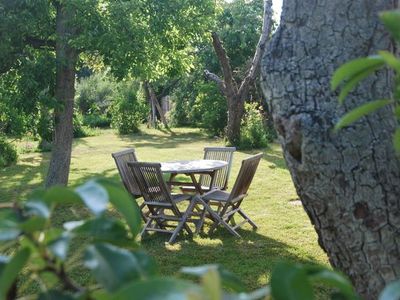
(216, 79)
(255, 64)
(38, 43)
(230, 84)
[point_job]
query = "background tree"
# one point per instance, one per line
(132, 37)
(236, 93)
(348, 182)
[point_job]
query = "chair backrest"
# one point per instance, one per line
(245, 176)
(151, 182)
(121, 160)
(221, 176)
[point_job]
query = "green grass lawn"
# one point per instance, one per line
(284, 233)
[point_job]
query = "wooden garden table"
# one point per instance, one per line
(191, 168)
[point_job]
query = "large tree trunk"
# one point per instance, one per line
(349, 182)
(65, 91)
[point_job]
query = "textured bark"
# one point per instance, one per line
(348, 182)
(235, 95)
(66, 58)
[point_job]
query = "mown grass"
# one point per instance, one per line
(284, 233)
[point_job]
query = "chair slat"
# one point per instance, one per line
(221, 176)
(121, 159)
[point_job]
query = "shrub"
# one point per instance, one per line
(253, 133)
(95, 93)
(128, 109)
(210, 110)
(97, 120)
(81, 130)
(8, 153)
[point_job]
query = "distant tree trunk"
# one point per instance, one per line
(235, 96)
(349, 182)
(66, 58)
(152, 98)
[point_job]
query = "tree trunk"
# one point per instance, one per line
(155, 105)
(235, 115)
(236, 95)
(66, 58)
(348, 182)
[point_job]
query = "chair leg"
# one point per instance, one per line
(247, 219)
(182, 223)
(218, 220)
(148, 223)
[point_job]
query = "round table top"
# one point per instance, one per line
(192, 166)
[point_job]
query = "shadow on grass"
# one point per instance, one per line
(18, 180)
(251, 258)
(161, 142)
(273, 156)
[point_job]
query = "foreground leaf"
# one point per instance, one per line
(59, 247)
(12, 269)
(9, 226)
(94, 196)
(355, 68)
(396, 140)
(391, 291)
(159, 289)
(360, 112)
(229, 280)
(111, 266)
(391, 19)
(124, 204)
(104, 229)
(333, 279)
(290, 282)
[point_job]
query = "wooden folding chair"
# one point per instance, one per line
(162, 205)
(221, 177)
(121, 159)
(230, 202)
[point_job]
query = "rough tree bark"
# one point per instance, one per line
(234, 94)
(349, 182)
(66, 58)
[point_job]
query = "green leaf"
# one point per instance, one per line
(290, 282)
(397, 111)
(104, 229)
(94, 196)
(353, 81)
(336, 280)
(390, 60)
(59, 247)
(391, 20)
(212, 284)
(33, 224)
(55, 295)
(147, 263)
(159, 289)
(61, 195)
(111, 266)
(37, 208)
(360, 111)
(12, 270)
(124, 204)
(391, 291)
(354, 69)
(396, 140)
(229, 280)
(9, 225)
